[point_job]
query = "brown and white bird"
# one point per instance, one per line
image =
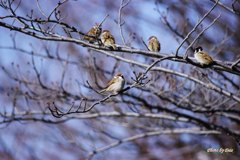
(153, 44)
(202, 57)
(108, 40)
(93, 34)
(115, 85)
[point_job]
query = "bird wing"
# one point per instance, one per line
(112, 38)
(158, 47)
(108, 84)
(111, 81)
(207, 57)
(89, 33)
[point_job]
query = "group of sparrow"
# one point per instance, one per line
(106, 39)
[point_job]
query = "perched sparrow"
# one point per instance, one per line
(108, 40)
(93, 34)
(153, 44)
(202, 57)
(115, 85)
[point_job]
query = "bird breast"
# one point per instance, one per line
(118, 85)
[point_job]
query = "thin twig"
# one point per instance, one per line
(100, 24)
(224, 6)
(56, 7)
(200, 34)
(145, 44)
(37, 73)
(120, 23)
(195, 27)
(40, 9)
(235, 63)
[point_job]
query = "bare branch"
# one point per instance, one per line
(226, 7)
(199, 35)
(56, 7)
(120, 23)
(195, 27)
(235, 63)
(150, 134)
(40, 9)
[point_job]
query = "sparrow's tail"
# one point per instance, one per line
(114, 47)
(102, 91)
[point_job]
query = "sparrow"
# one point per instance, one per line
(93, 34)
(108, 40)
(202, 57)
(153, 44)
(115, 85)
